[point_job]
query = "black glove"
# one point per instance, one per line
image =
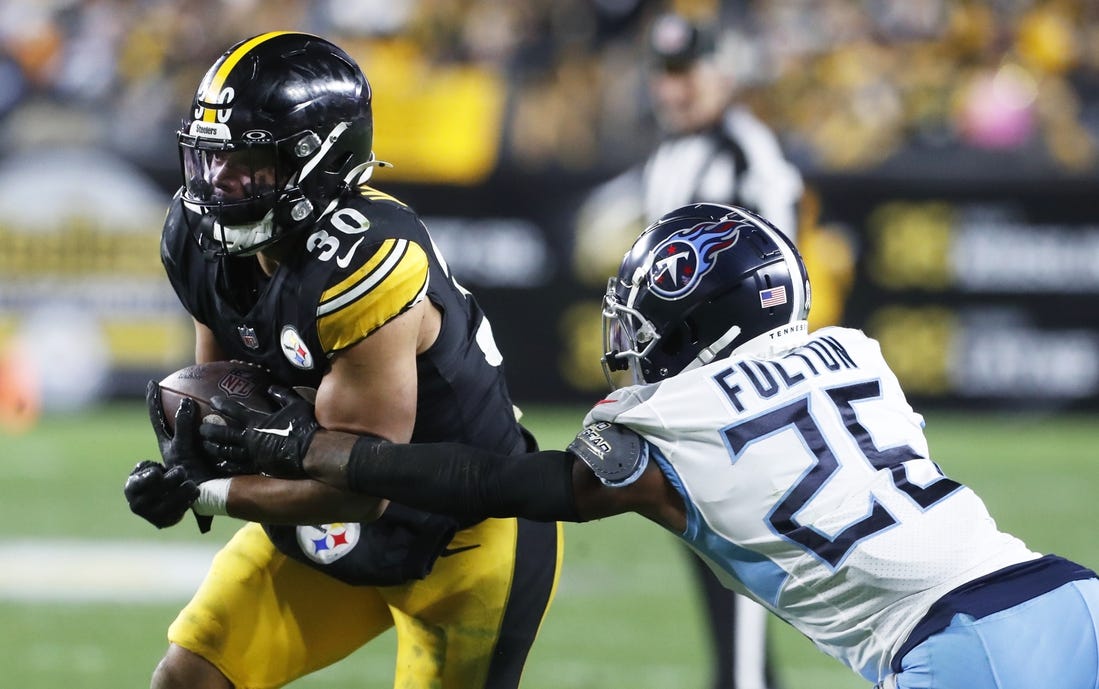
(181, 451)
(271, 443)
(160, 496)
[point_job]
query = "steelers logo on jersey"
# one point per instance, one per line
(293, 346)
(326, 543)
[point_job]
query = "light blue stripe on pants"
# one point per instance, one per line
(1048, 642)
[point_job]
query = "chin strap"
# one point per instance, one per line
(765, 345)
(710, 353)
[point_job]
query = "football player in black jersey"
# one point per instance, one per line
(287, 259)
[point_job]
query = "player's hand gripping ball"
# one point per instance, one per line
(273, 444)
(162, 493)
(243, 383)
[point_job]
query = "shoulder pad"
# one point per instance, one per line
(375, 196)
(621, 401)
(616, 454)
(375, 215)
(373, 287)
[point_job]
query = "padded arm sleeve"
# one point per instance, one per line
(465, 481)
(616, 455)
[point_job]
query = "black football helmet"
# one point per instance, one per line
(280, 126)
(701, 283)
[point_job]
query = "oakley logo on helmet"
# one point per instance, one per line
(681, 260)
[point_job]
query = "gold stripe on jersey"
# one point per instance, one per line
(375, 195)
(393, 279)
(389, 252)
(231, 60)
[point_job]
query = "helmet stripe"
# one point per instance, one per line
(231, 60)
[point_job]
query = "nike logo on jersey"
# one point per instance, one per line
(345, 260)
(284, 432)
(447, 552)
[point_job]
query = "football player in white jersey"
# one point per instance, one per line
(789, 460)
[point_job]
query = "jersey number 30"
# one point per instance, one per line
(796, 416)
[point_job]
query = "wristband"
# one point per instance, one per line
(213, 496)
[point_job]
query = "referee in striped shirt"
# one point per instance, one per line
(714, 149)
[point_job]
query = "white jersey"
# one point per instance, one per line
(809, 486)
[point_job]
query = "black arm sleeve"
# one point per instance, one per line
(464, 481)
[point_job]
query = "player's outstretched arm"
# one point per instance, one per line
(452, 478)
(446, 478)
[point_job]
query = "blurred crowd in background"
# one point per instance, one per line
(500, 116)
(849, 84)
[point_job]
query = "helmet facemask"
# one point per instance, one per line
(629, 340)
(250, 188)
(628, 337)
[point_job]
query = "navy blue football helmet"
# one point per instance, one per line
(703, 282)
(279, 127)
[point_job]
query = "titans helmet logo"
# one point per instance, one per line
(681, 260)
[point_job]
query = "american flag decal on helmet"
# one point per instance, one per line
(776, 296)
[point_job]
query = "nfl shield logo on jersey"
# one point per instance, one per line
(248, 336)
(326, 543)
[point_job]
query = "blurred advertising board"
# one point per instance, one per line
(983, 294)
(85, 311)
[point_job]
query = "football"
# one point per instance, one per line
(240, 381)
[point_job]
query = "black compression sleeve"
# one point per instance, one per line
(465, 481)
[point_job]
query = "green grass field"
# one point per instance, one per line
(626, 615)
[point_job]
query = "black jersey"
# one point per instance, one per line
(362, 265)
